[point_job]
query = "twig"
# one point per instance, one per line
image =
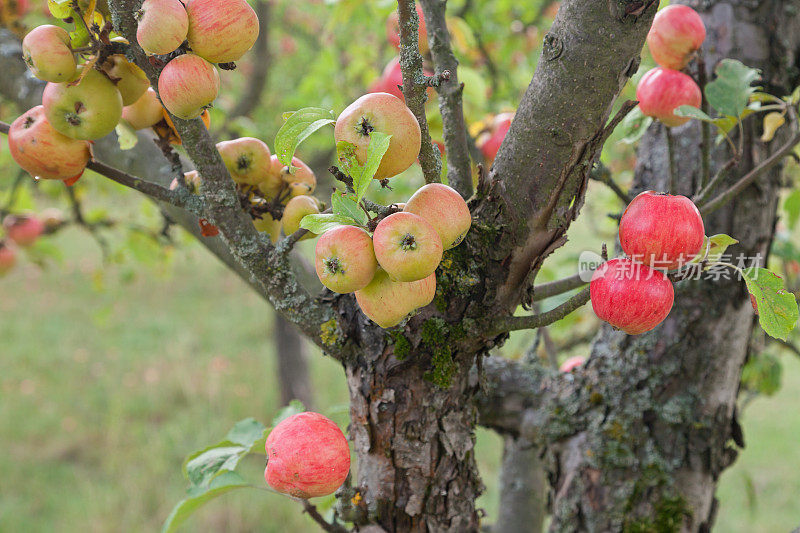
(673, 173)
(516, 323)
(625, 108)
(559, 286)
(311, 510)
(77, 8)
(602, 174)
(788, 345)
(705, 127)
(77, 213)
(721, 173)
(12, 194)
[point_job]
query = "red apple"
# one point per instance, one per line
(131, 81)
(247, 159)
(163, 26)
(662, 90)
(44, 152)
(47, 52)
(387, 114)
(630, 296)
(489, 143)
(444, 209)
(387, 302)
(87, 111)
(307, 456)
(345, 259)
(677, 33)
(661, 230)
(221, 31)
(8, 257)
(572, 363)
(145, 112)
(391, 81)
(24, 230)
(407, 246)
(297, 208)
(393, 31)
(187, 85)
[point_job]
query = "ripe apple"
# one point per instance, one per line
(44, 152)
(295, 210)
(489, 143)
(221, 31)
(163, 26)
(145, 112)
(676, 34)
(169, 130)
(345, 259)
(444, 209)
(131, 81)
(24, 230)
(187, 85)
(388, 302)
(247, 159)
(268, 225)
(407, 246)
(389, 115)
(630, 296)
(393, 31)
(47, 52)
(572, 363)
(300, 173)
(661, 230)
(307, 456)
(392, 79)
(8, 257)
(662, 90)
(86, 111)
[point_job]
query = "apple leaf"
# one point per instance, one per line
(692, 112)
(776, 307)
(792, 207)
(362, 175)
(713, 248)
(635, 124)
(198, 496)
(730, 91)
(60, 9)
(344, 203)
(126, 136)
(297, 128)
(319, 224)
(295, 407)
(762, 373)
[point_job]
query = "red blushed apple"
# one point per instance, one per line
(572, 363)
(87, 111)
(187, 85)
(661, 230)
(297, 208)
(23, 230)
(444, 209)
(407, 246)
(662, 90)
(163, 26)
(247, 159)
(391, 81)
(345, 259)
(47, 52)
(44, 152)
(387, 302)
(389, 115)
(145, 112)
(676, 34)
(8, 257)
(298, 176)
(630, 296)
(393, 31)
(221, 31)
(131, 81)
(490, 143)
(307, 456)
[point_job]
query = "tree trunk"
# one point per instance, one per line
(292, 359)
(523, 489)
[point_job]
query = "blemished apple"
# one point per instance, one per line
(131, 81)
(345, 259)
(393, 31)
(676, 34)
(270, 226)
(631, 296)
(42, 151)
(662, 90)
(145, 112)
(297, 208)
(387, 114)
(444, 209)
(187, 85)
(407, 246)
(387, 302)
(247, 159)
(8, 257)
(87, 111)
(163, 26)
(221, 31)
(661, 230)
(47, 52)
(24, 230)
(572, 363)
(307, 456)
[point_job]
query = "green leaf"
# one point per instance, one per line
(126, 136)
(762, 374)
(344, 203)
(295, 407)
(777, 307)
(792, 207)
(730, 92)
(246, 432)
(60, 9)
(692, 112)
(713, 248)
(246, 437)
(297, 128)
(198, 496)
(378, 144)
(635, 125)
(319, 224)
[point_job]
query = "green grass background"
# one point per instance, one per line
(108, 380)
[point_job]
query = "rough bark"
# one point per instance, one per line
(523, 489)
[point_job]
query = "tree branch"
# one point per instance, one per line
(516, 323)
(311, 510)
(559, 286)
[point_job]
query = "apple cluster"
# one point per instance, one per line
(657, 232)
(677, 34)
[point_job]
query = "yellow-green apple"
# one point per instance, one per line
(295, 210)
(42, 151)
(676, 34)
(145, 112)
(270, 226)
(393, 31)
(47, 52)
(88, 110)
(300, 179)
(307, 456)
(661, 230)
(387, 114)
(572, 363)
(662, 90)
(247, 159)
(8, 257)
(444, 209)
(388, 302)
(221, 31)
(24, 230)
(187, 85)
(163, 26)
(345, 259)
(407, 246)
(131, 81)
(630, 296)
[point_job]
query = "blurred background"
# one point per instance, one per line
(125, 345)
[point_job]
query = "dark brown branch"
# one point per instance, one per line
(701, 197)
(311, 510)
(516, 323)
(602, 174)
